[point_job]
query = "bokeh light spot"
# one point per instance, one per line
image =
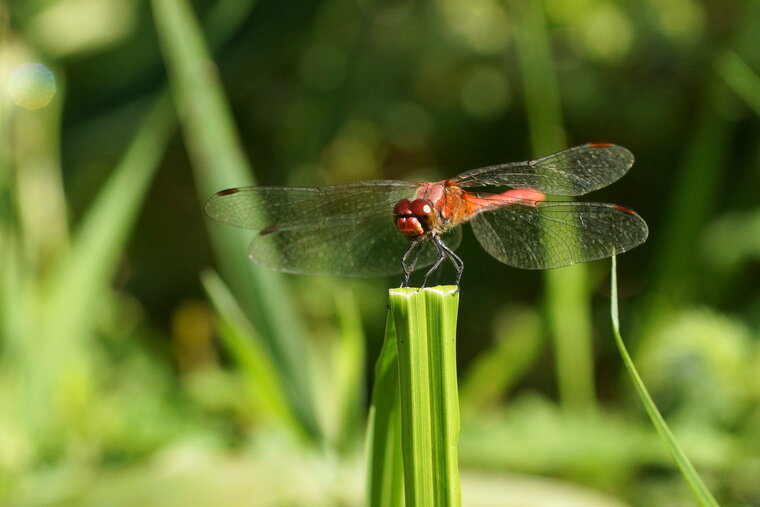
(73, 26)
(606, 33)
(31, 86)
(354, 155)
(483, 24)
(680, 19)
(485, 93)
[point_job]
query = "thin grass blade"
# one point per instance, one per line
(246, 348)
(701, 493)
(219, 163)
(82, 276)
(100, 239)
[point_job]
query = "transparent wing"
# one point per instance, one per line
(570, 172)
(557, 234)
(344, 230)
(368, 250)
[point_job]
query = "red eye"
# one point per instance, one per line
(402, 208)
(424, 212)
(421, 207)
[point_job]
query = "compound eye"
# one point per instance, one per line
(402, 208)
(424, 212)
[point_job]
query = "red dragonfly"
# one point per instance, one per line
(385, 227)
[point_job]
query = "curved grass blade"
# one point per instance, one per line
(82, 275)
(701, 492)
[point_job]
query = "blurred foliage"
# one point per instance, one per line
(125, 379)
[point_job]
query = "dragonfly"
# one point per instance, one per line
(387, 227)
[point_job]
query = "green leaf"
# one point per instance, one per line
(425, 323)
(385, 480)
(701, 492)
(348, 367)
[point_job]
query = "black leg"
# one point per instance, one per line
(441, 257)
(416, 256)
(408, 271)
(455, 260)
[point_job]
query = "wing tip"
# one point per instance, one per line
(625, 209)
(621, 149)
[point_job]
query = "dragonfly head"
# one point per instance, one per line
(414, 218)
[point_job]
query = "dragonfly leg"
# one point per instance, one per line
(416, 256)
(408, 270)
(454, 258)
(441, 257)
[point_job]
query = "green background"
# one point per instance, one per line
(125, 380)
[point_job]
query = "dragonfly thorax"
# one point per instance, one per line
(414, 218)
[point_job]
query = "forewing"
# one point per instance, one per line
(372, 247)
(570, 172)
(344, 230)
(557, 234)
(264, 208)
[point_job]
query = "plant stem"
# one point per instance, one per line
(701, 493)
(567, 294)
(425, 325)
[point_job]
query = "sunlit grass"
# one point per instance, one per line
(422, 329)
(385, 478)
(96, 405)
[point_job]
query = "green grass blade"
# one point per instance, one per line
(245, 347)
(218, 163)
(542, 97)
(348, 365)
(425, 323)
(84, 273)
(701, 492)
(99, 241)
(568, 301)
(385, 479)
